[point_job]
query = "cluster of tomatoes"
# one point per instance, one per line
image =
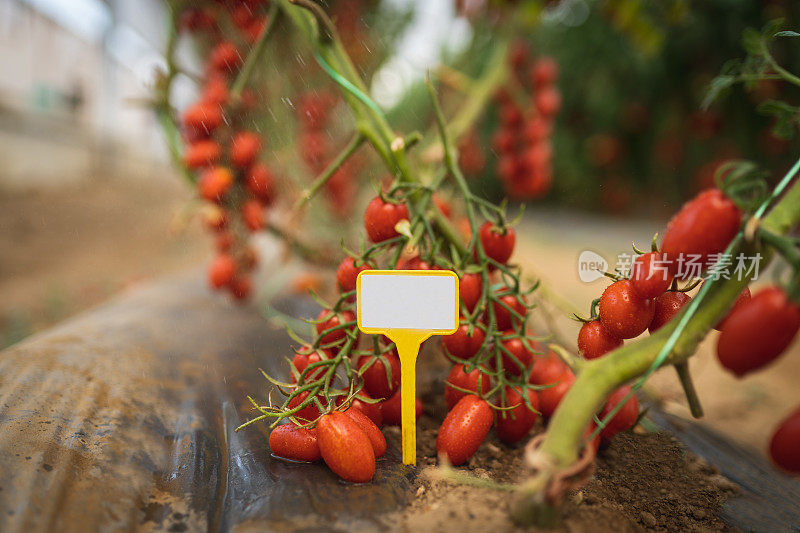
(757, 329)
(221, 152)
(313, 113)
(526, 115)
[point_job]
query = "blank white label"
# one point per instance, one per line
(410, 301)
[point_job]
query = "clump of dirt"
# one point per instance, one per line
(644, 481)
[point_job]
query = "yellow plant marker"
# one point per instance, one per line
(408, 306)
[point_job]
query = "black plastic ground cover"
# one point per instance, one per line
(769, 501)
(123, 419)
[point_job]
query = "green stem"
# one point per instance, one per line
(695, 407)
(600, 377)
(354, 144)
(254, 56)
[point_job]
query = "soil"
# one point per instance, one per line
(643, 482)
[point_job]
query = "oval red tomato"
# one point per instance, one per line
(464, 380)
(470, 287)
(260, 183)
(667, 306)
(517, 357)
(594, 340)
(222, 271)
(514, 425)
(546, 369)
(550, 398)
(310, 412)
(372, 431)
(505, 319)
(381, 217)
(743, 298)
(784, 448)
(372, 410)
(391, 409)
(758, 331)
(623, 312)
(650, 275)
(294, 442)
(464, 429)
(244, 148)
(330, 320)
(704, 226)
(376, 376)
(498, 243)
(463, 345)
(624, 419)
(345, 448)
(347, 273)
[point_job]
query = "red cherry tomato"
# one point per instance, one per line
(347, 273)
(469, 290)
(498, 243)
(743, 298)
(375, 377)
(546, 369)
(464, 429)
(222, 271)
(392, 409)
(294, 442)
(464, 380)
(650, 275)
(214, 182)
(623, 312)
(331, 320)
(705, 225)
(594, 340)
(372, 410)
(550, 397)
(253, 215)
(521, 355)
(544, 71)
(414, 263)
(244, 148)
(504, 319)
(667, 306)
(345, 447)
(224, 57)
(202, 153)
(547, 101)
(241, 287)
(302, 359)
(784, 448)
(758, 331)
(514, 425)
(463, 345)
(202, 118)
(372, 431)
(624, 419)
(310, 412)
(260, 183)
(381, 217)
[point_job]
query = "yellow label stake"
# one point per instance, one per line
(407, 306)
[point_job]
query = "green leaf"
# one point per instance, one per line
(787, 117)
(786, 34)
(718, 86)
(752, 42)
